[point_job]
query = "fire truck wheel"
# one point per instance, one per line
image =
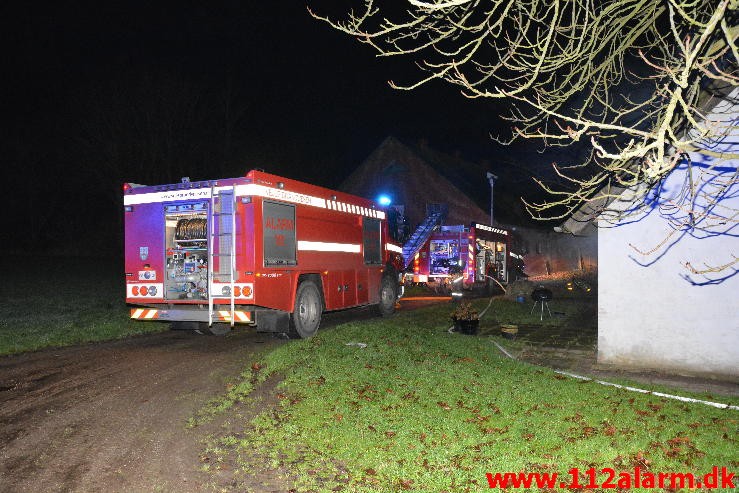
(306, 316)
(220, 329)
(388, 296)
(181, 325)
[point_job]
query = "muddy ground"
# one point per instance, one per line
(113, 416)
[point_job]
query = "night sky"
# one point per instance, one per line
(100, 93)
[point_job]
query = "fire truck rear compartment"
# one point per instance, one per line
(186, 255)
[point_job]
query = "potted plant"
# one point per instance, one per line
(509, 331)
(466, 319)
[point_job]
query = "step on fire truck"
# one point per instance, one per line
(259, 250)
(459, 257)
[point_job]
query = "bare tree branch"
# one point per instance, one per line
(629, 76)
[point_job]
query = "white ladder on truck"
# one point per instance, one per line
(221, 247)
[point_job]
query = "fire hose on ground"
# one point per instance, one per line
(603, 382)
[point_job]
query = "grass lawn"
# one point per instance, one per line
(61, 301)
(420, 409)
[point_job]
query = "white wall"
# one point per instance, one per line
(652, 311)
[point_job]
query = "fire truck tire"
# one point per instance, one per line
(184, 325)
(388, 296)
(219, 329)
(306, 316)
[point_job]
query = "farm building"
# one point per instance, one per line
(419, 179)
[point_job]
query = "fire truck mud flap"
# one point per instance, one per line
(272, 320)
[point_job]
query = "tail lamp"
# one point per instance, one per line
(144, 291)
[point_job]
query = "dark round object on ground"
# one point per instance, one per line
(541, 294)
(468, 327)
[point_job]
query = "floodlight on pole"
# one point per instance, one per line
(491, 180)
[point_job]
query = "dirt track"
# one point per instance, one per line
(112, 416)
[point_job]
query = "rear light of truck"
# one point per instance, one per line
(138, 290)
(239, 291)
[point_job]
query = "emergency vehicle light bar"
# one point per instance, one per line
(490, 228)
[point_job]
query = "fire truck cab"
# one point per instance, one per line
(259, 250)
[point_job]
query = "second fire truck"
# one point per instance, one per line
(470, 256)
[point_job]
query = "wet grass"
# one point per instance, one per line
(48, 302)
(422, 409)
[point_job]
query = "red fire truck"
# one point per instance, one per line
(260, 250)
(474, 256)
